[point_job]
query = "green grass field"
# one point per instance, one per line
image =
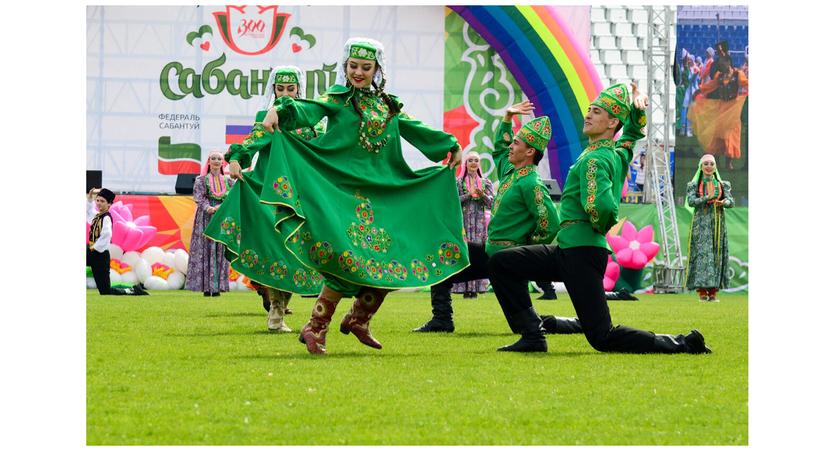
(175, 368)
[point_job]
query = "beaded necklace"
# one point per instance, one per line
(374, 119)
(217, 187)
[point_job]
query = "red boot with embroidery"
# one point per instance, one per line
(313, 334)
(356, 320)
(712, 295)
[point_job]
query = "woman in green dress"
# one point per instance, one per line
(349, 205)
(708, 194)
(272, 276)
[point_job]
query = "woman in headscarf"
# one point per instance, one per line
(476, 197)
(708, 194)
(349, 205)
(272, 278)
(208, 269)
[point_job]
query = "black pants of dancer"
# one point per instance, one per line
(100, 267)
(581, 269)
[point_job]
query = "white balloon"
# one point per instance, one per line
(115, 252)
(115, 278)
(142, 270)
(153, 255)
(182, 258)
(155, 283)
(132, 258)
(233, 285)
(90, 282)
(169, 259)
(130, 278)
(175, 281)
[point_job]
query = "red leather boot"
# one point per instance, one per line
(313, 334)
(356, 321)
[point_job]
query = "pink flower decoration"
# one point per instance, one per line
(634, 249)
(611, 274)
(130, 234)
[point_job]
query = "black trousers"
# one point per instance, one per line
(100, 267)
(581, 270)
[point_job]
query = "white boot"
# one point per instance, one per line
(274, 321)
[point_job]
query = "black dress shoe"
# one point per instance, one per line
(207, 293)
(287, 311)
(548, 296)
(435, 326)
(695, 343)
(527, 344)
(216, 294)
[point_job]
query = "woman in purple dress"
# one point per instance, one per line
(476, 197)
(208, 269)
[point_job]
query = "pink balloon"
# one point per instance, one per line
(629, 232)
(130, 234)
(646, 234)
(611, 274)
(650, 249)
(634, 249)
(617, 243)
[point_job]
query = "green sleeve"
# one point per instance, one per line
(691, 196)
(728, 200)
(597, 197)
(254, 141)
(501, 144)
(432, 143)
(302, 113)
(543, 211)
(632, 131)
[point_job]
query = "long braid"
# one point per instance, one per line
(393, 109)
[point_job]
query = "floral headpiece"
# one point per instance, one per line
(615, 100)
(536, 133)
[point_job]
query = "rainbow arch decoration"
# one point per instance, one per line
(542, 54)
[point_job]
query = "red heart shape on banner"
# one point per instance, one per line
(296, 47)
(205, 46)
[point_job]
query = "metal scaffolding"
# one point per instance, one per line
(669, 277)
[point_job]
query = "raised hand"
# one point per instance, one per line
(640, 101)
(521, 108)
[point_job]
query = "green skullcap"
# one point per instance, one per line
(286, 76)
(615, 100)
(361, 50)
(536, 133)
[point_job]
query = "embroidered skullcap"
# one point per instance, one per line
(284, 74)
(536, 133)
(615, 100)
(362, 48)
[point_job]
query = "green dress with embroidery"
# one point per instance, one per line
(523, 212)
(708, 240)
(592, 190)
(351, 208)
(242, 209)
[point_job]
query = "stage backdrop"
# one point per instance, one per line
(166, 85)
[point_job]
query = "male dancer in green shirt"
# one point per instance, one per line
(589, 208)
(522, 212)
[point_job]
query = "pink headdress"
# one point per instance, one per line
(465, 177)
(206, 169)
